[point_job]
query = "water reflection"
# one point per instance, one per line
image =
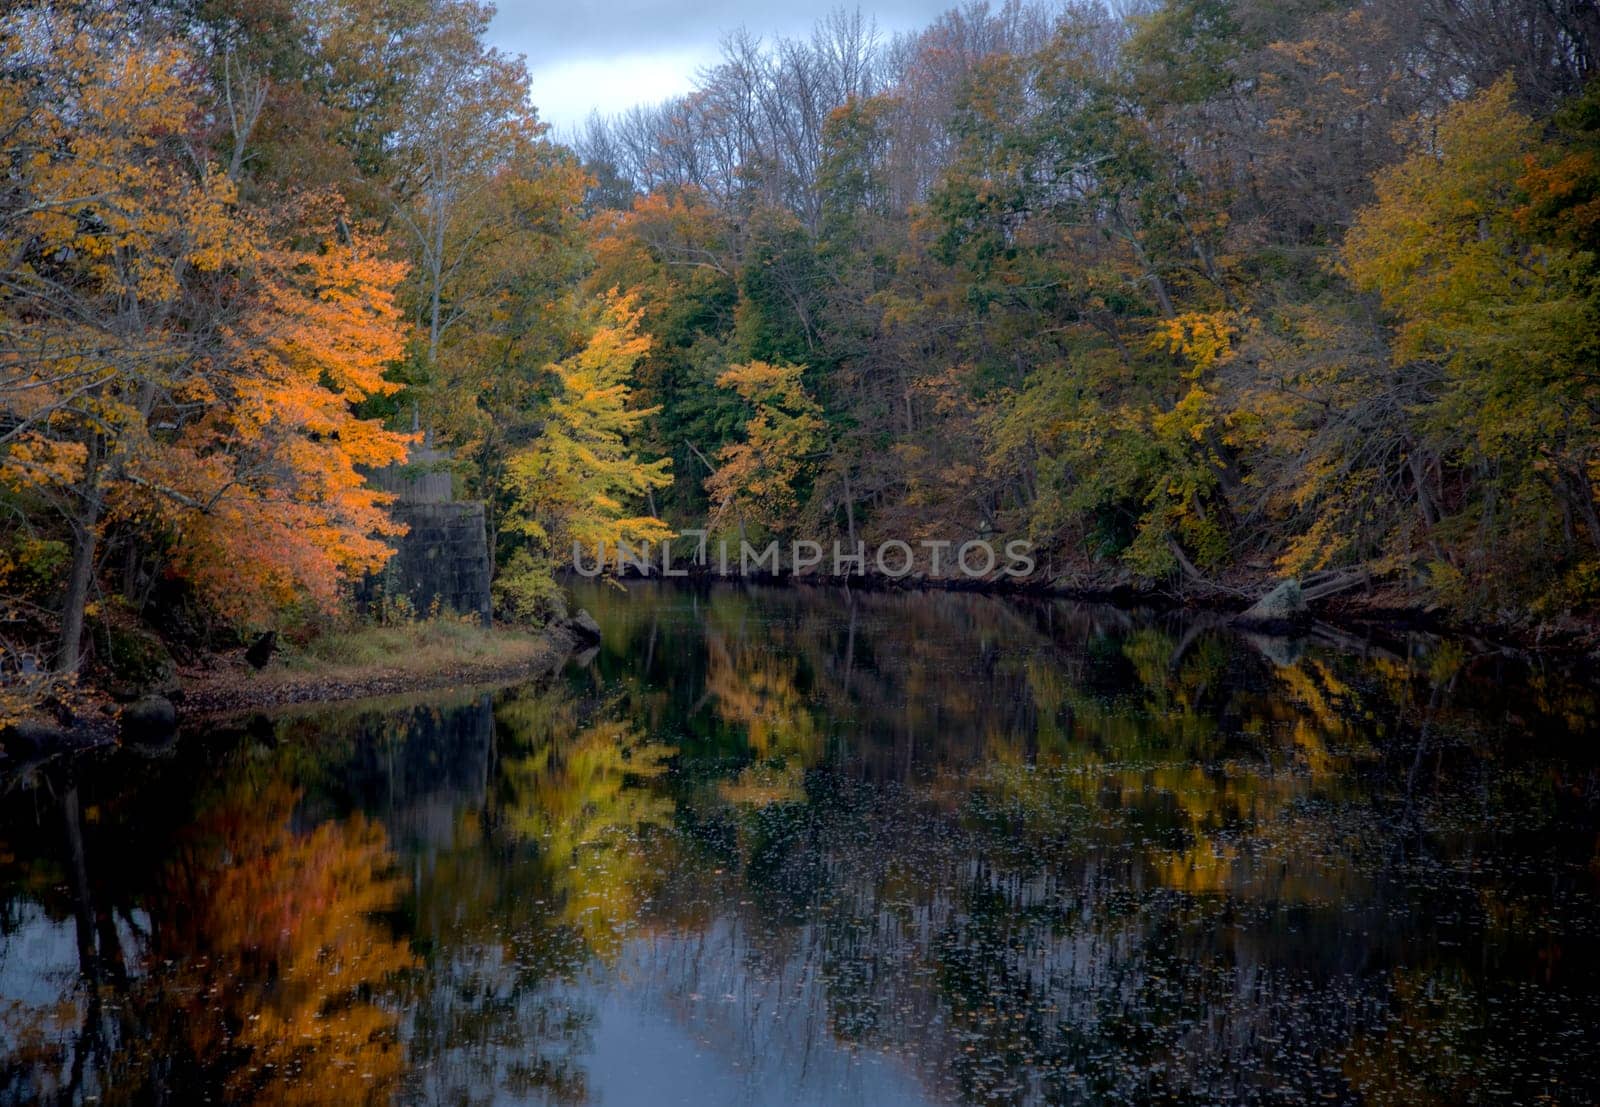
(800, 846)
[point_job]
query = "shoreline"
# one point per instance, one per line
(1382, 609)
(229, 689)
(223, 693)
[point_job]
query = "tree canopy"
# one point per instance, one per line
(1192, 295)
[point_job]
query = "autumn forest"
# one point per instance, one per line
(1194, 295)
(348, 394)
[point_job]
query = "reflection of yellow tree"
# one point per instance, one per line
(583, 796)
(1300, 722)
(1155, 753)
(754, 684)
(278, 935)
(756, 690)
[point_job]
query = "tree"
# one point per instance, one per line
(1510, 326)
(277, 460)
(172, 366)
(678, 259)
(758, 480)
(467, 128)
(511, 304)
(572, 490)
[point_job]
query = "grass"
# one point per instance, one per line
(367, 661)
(425, 646)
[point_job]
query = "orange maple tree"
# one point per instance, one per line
(172, 363)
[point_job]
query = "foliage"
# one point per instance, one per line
(173, 365)
(1217, 290)
(1190, 295)
(571, 488)
(1510, 324)
(759, 477)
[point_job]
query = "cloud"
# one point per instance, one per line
(565, 92)
(612, 54)
(559, 33)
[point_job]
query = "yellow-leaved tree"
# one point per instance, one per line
(1505, 323)
(759, 478)
(578, 487)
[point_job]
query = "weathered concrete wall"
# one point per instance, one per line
(444, 558)
(423, 479)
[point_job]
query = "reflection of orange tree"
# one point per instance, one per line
(582, 795)
(277, 941)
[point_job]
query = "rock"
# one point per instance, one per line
(1283, 602)
(260, 651)
(583, 626)
(151, 719)
(29, 737)
(1282, 608)
(138, 663)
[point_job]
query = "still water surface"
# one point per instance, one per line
(794, 846)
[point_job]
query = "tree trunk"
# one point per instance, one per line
(849, 510)
(1188, 567)
(79, 578)
(1157, 285)
(1425, 504)
(1581, 495)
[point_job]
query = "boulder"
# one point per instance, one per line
(138, 664)
(260, 651)
(147, 720)
(1283, 608)
(583, 626)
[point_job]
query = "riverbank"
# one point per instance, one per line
(374, 661)
(359, 663)
(366, 662)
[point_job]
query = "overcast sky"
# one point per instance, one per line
(612, 54)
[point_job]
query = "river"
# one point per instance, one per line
(803, 846)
